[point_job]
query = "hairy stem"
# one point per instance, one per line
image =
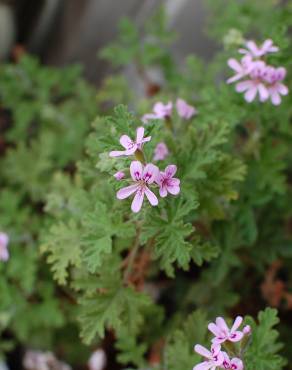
(132, 255)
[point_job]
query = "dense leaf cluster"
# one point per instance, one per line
(148, 282)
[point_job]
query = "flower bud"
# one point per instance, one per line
(119, 175)
(247, 330)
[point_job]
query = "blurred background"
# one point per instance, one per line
(62, 32)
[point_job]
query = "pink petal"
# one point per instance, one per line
(236, 336)
(235, 65)
(283, 90)
(237, 322)
(138, 200)
(146, 139)
(251, 94)
(203, 351)
(243, 86)
(136, 170)
(151, 197)
(220, 322)
(215, 348)
(214, 329)
(4, 254)
(139, 134)
(206, 365)
(281, 73)
(219, 340)
(267, 44)
(4, 239)
(131, 150)
(150, 173)
(275, 97)
(170, 170)
(173, 182)
(173, 189)
(243, 51)
(126, 142)
(236, 364)
(251, 45)
(263, 92)
(220, 358)
(184, 110)
(234, 78)
(226, 357)
(159, 178)
(148, 117)
(127, 191)
(163, 191)
(117, 153)
(119, 175)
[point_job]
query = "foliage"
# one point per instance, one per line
(149, 282)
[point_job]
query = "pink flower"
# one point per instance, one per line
(119, 175)
(246, 330)
(130, 145)
(97, 360)
(4, 253)
(160, 111)
(223, 333)
(241, 68)
(185, 110)
(255, 85)
(257, 52)
(213, 358)
(231, 364)
(160, 152)
(274, 78)
(142, 178)
(167, 183)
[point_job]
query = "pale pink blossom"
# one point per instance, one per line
(160, 152)
(255, 85)
(97, 360)
(241, 68)
(258, 51)
(246, 330)
(185, 110)
(4, 253)
(142, 177)
(131, 145)
(223, 333)
(214, 358)
(167, 183)
(274, 77)
(231, 364)
(160, 111)
(119, 175)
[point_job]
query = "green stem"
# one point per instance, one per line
(132, 255)
(140, 156)
(168, 123)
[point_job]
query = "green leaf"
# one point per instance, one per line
(115, 308)
(262, 354)
(169, 233)
(63, 247)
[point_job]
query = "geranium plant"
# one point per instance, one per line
(157, 227)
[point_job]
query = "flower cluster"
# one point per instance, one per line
(259, 78)
(164, 111)
(224, 337)
(144, 176)
(4, 253)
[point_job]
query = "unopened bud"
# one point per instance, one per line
(247, 330)
(119, 175)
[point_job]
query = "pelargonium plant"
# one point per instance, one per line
(129, 221)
